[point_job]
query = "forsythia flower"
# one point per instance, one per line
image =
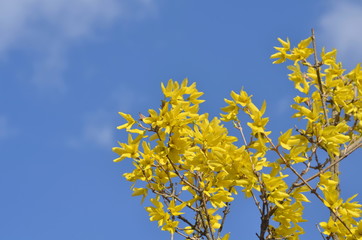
(191, 168)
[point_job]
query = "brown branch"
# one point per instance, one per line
(320, 231)
(238, 126)
(181, 233)
(286, 162)
(265, 214)
(257, 203)
(204, 206)
(316, 66)
(225, 213)
(182, 178)
(345, 153)
(312, 190)
(265, 217)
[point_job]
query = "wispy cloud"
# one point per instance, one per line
(340, 29)
(282, 104)
(126, 98)
(99, 127)
(100, 135)
(6, 130)
(97, 131)
(50, 28)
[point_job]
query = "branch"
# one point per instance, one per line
(345, 153)
(316, 66)
(202, 195)
(307, 184)
(225, 213)
(181, 176)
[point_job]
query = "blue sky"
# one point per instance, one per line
(67, 67)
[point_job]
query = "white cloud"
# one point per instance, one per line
(99, 127)
(97, 131)
(101, 135)
(48, 28)
(125, 98)
(6, 130)
(282, 105)
(341, 29)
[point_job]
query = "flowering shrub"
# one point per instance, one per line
(190, 168)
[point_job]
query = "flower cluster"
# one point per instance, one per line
(190, 168)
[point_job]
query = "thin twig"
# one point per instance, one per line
(204, 206)
(345, 153)
(316, 66)
(238, 126)
(182, 177)
(320, 231)
(225, 213)
(307, 184)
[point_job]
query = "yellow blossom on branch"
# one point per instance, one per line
(190, 168)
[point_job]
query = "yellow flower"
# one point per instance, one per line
(129, 119)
